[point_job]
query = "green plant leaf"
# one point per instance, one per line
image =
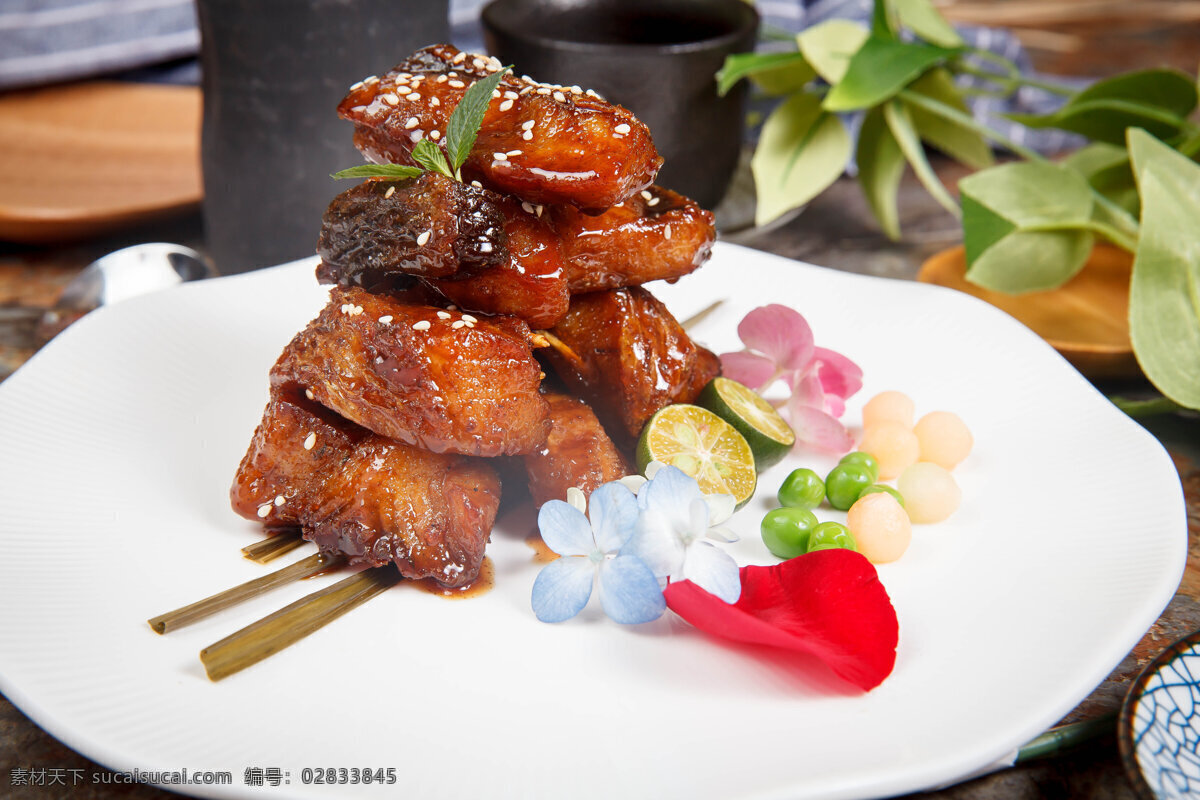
(884, 21)
(463, 126)
(901, 125)
(828, 47)
(880, 69)
(1025, 225)
(378, 171)
(1158, 100)
(1164, 295)
(430, 156)
(880, 168)
(776, 73)
(959, 142)
(923, 19)
(801, 152)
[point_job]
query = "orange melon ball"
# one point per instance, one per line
(889, 407)
(893, 445)
(880, 526)
(944, 438)
(930, 493)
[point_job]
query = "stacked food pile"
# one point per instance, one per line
(483, 311)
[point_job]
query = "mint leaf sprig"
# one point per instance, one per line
(461, 131)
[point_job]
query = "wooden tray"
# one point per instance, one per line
(1086, 319)
(83, 159)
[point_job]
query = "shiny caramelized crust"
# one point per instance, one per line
(531, 284)
(628, 356)
(430, 226)
(375, 500)
(656, 234)
(442, 380)
(577, 453)
(581, 150)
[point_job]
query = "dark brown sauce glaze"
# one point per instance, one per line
(480, 586)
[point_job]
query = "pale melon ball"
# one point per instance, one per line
(880, 527)
(894, 447)
(944, 438)
(889, 407)
(930, 493)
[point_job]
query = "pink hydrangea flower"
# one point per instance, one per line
(780, 347)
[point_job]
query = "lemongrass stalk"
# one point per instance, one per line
(273, 546)
(293, 622)
(202, 609)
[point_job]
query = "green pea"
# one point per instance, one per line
(844, 483)
(865, 460)
(829, 535)
(785, 531)
(879, 487)
(803, 488)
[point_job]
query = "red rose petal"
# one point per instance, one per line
(829, 603)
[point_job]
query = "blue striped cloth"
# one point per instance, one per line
(47, 41)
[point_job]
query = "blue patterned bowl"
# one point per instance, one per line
(1159, 727)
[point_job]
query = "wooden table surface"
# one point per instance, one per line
(834, 231)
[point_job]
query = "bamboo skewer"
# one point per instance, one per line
(202, 609)
(292, 623)
(273, 546)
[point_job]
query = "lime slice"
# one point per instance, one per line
(770, 438)
(704, 446)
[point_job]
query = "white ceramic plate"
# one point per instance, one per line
(121, 438)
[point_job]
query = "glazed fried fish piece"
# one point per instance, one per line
(577, 453)
(542, 143)
(430, 226)
(656, 234)
(628, 357)
(530, 284)
(444, 381)
(372, 499)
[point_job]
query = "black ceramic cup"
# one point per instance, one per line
(655, 57)
(273, 74)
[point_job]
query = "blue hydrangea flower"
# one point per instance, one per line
(673, 525)
(591, 551)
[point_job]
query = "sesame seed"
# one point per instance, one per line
(372, 79)
(620, 204)
(576, 90)
(652, 202)
(527, 136)
(458, 58)
(356, 86)
(414, 97)
(391, 191)
(494, 62)
(415, 136)
(526, 207)
(526, 90)
(667, 232)
(512, 153)
(443, 315)
(646, 195)
(442, 79)
(279, 500)
(385, 319)
(423, 325)
(458, 323)
(412, 123)
(623, 128)
(391, 99)
(433, 101)
(423, 238)
(308, 393)
(435, 134)
(477, 184)
(309, 441)
(478, 63)
(264, 509)
(452, 307)
(528, 79)
(500, 156)
(456, 85)
(356, 310)
(592, 93)
(469, 324)
(511, 95)
(469, 318)
(538, 210)
(486, 247)
(528, 124)
(405, 76)
(506, 105)
(496, 94)
(560, 97)
(544, 90)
